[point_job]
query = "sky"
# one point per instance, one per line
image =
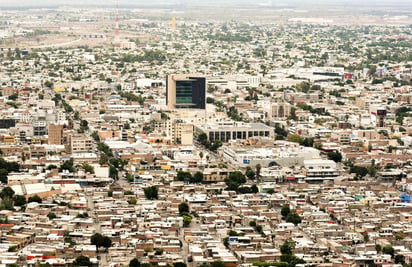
(194, 2)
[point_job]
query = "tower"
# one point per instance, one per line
(173, 23)
(185, 91)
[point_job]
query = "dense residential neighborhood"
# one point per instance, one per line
(182, 141)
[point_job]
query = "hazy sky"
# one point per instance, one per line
(194, 2)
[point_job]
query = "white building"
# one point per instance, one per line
(285, 154)
(320, 169)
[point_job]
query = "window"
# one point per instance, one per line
(183, 93)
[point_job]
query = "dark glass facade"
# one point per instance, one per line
(190, 93)
(184, 94)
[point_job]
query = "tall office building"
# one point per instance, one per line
(185, 91)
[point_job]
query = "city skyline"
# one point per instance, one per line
(205, 133)
(272, 3)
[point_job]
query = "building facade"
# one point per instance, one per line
(55, 134)
(225, 131)
(80, 143)
(180, 132)
(185, 91)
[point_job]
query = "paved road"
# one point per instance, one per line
(58, 44)
(90, 205)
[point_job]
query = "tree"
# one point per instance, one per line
(294, 218)
(399, 236)
(82, 215)
(51, 167)
(388, 250)
(287, 247)
(250, 173)
(378, 248)
(134, 263)
(132, 201)
(183, 208)
(68, 165)
(129, 177)
(238, 177)
(280, 131)
(6, 204)
(97, 240)
(303, 86)
(294, 138)
(48, 84)
(9, 166)
(13, 97)
(270, 191)
(3, 176)
(84, 125)
(335, 156)
(104, 159)
(399, 258)
(158, 251)
(359, 170)
(113, 172)
(151, 192)
(95, 136)
(183, 176)
(34, 198)
(372, 171)
(293, 115)
(365, 237)
(7, 192)
(232, 233)
(51, 215)
(88, 168)
(234, 180)
(215, 145)
(6, 167)
(285, 211)
(217, 264)
(197, 178)
(19, 200)
(291, 260)
(179, 264)
(186, 220)
(82, 261)
(106, 242)
(105, 149)
(226, 241)
(258, 169)
(307, 141)
(254, 189)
